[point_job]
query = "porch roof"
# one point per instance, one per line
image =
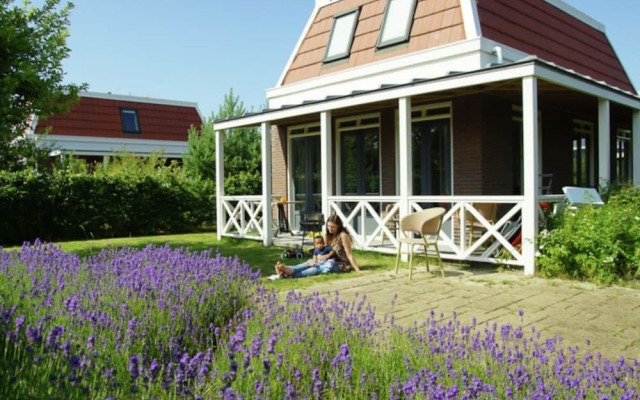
(530, 66)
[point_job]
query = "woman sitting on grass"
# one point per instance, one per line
(340, 242)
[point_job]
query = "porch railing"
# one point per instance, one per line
(373, 229)
(242, 217)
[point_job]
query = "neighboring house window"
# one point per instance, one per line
(341, 38)
(397, 22)
(582, 145)
(129, 119)
(431, 150)
(359, 155)
(624, 163)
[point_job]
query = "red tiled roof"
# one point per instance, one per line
(100, 117)
(535, 27)
(539, 28)
(437, 22)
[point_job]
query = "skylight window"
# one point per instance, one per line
(396, 25)
(129, 119)
(341, 39)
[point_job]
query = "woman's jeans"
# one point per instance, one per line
(303, 270)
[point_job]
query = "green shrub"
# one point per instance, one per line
(599, 244)
(62, 206)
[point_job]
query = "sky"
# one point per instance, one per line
(198, 50)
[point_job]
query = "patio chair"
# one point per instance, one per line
(425, 225)
(312, 222)
(474, 227)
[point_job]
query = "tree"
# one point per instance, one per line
(242, 151)
(33, 44)
(200, 159)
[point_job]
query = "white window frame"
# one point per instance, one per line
(130, 113)
(586, 128)
(624, 135)
(342, 35)
(357, 126)
(397, 22)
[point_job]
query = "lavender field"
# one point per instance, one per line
(168, 323)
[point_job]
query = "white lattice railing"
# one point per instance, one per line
(242, 217)
(496, 242)
(372, 229)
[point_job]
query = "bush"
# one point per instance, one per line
(60, 206)
(599, 244)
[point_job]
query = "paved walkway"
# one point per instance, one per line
(608, 317)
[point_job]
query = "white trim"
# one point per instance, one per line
(220, 216)
(103, 146)
(508, 72)
(267, 214)
(470, 18)
(405, 162)
(326, 160)
(530, 181)
(574, 12)
(431, 63)
(604, 142)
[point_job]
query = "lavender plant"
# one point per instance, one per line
(163, 323)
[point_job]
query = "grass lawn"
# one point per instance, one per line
(252, 252)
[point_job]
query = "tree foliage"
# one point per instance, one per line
(242, 151)
(33, 44)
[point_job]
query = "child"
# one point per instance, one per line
(321, 249)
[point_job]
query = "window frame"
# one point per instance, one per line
(333, 36)
(408, 24)
(357, 124)
(129, 111)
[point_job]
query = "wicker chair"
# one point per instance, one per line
(426, 224)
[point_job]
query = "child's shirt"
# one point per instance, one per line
(324, 251)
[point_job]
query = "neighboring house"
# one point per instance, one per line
(102, 124)
(415, 103)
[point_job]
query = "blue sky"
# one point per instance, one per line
(196, 50)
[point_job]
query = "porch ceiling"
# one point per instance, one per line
(557, 87)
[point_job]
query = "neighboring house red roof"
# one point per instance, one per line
(98, 115)
(539, 28)
(534, 27)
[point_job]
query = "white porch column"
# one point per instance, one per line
(219, 182)
(326, 161)
(530, 162)
(635, 142)
(604, 143)
(267, 211)
(404, 161)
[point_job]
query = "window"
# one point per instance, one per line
(396, 25)
(623, 156)
(359, 156)
(582, 143)
(129, 119)
(431, 150)
(341, 38)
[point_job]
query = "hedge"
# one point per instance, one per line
(58, 207)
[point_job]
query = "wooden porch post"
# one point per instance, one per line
(326, 160)
(404, 154)
(530, 162)
(635, 142)
(604, 143)
(219, 181)
(267, 190)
